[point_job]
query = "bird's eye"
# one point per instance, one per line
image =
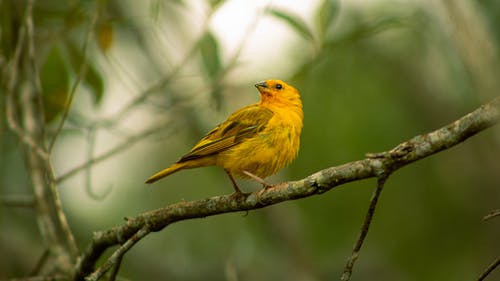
(279, 86)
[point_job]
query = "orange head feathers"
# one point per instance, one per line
(255, 141)
(276, 92)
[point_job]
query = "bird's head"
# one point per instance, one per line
(277, 92)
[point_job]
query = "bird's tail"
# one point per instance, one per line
(168, 171)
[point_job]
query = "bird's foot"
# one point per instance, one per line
(238, 195)
(237, 191)
(258, 179)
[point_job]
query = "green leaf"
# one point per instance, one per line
(93, 78)
(210, 56)
(54, 78)
(328, 11)
(295, 22)
(154, 9)
(216, 3)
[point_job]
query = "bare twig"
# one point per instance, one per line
(117, 149)
(152, 89)
(114, 270)
(162, 83)
(405, 153)
(10, 110)
(489, 269)
(492, 214)
(346, 275)
(41, 261)
(35, 77)
(88, 170)
(118, 254)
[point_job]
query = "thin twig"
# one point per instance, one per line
(40, 263)
(162, 83)
(346, 275)
(118, 254)
(405, 153)
(35, 77)
(489, 269)
(151, 90)
(14, 62)
(10, 108)
(120, 147)
(81, 74)
(492, 214)
(114, 271)
(88, 171)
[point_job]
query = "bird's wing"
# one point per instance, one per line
(242, 124)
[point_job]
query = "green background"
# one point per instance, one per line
(371, 75)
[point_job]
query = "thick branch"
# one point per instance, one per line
(374, 165)
(51, 220)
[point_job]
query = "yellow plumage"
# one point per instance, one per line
(256, 140)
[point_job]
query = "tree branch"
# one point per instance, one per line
(13, 77)
(346, 275)
(489, 269)
(375, 165)
(51, 220)
(492, 214)
(117, 256)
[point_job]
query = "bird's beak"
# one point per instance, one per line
(261, 85)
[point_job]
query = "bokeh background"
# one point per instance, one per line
(160, 74)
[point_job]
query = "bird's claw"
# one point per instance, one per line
(258, 179)
(238, 194)
(267, 186)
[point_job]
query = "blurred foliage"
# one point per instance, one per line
(378, 74)
(294, 21)
(55, 88)
(209, 48)
(60, 33)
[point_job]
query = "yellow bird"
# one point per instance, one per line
(255, 141)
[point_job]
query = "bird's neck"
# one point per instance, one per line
(287, 106)
(281, 102)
